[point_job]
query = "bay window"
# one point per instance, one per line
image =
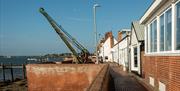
(178, 26)
(166, 31)
(163, 33)
(153, 36)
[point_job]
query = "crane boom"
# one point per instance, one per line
(59, 30)
(74, 41)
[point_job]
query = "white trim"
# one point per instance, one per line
(138, 58)
(152, 23)
(158, 33)
(132, 59)
(173, 27)
(145, 37)
(150, 10)
(175, 13)
(163, 54)
(173, 51)
(164, 13)
(149, 40)
(177, 2)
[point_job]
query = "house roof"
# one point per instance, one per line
(120, 40)
(124, 30)
(156, 4)
(139, 30)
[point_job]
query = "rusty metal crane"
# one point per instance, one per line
(68, 39)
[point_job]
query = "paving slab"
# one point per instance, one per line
(123, 81)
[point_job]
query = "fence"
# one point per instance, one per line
(11, 67)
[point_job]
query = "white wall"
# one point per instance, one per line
(106, 50)
(121, 48)
(115, 53)
(135, 43)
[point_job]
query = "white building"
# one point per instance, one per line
(120, 49)
(105, 48)
(136, 47)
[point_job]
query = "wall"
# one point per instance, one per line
(164, 69)
(66, 77)
(122, 58)
(107, 50)
(135, 43)
(119, 36)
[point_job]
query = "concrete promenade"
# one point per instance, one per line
(121, 81)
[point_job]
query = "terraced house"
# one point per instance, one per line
(106, 46)
(120, 49)
(136, 48)
(162, 45)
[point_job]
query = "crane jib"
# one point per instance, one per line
(67, 39)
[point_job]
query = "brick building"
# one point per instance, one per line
(162, 45)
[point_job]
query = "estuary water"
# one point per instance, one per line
(19, 60)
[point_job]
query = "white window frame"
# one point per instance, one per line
(175, 22)
(149, 33)
(173, 51)
(163, 13)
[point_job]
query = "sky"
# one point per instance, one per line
(25, 32)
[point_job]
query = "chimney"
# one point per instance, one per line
(120, 35)
(110, 35)
(107, 35)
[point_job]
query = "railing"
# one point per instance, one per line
(11, 67)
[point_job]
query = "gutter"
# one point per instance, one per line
(149, 11)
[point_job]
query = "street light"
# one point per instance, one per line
(95, 31)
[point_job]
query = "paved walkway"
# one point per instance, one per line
(122, 81)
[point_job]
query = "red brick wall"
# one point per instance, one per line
(107, 35)
(119, 36)
(64, 77)
(165, 69)
(142, 64)
(111, 41)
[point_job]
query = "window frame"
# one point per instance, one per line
(173, 51)
(175, 26)
(165, 26)
(163, 14)
(149, 36)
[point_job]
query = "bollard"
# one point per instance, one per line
(23, 71)
(12, 76)
(3, 73)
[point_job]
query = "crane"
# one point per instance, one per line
(68, 39)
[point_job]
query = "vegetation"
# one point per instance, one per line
(58, 55)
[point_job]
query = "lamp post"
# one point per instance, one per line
(95, 32)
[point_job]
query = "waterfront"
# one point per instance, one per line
(20, 60)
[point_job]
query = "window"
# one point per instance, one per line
(135, 57)
(162, 33)
(153, 36)
(166, 31)
(178, 26)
